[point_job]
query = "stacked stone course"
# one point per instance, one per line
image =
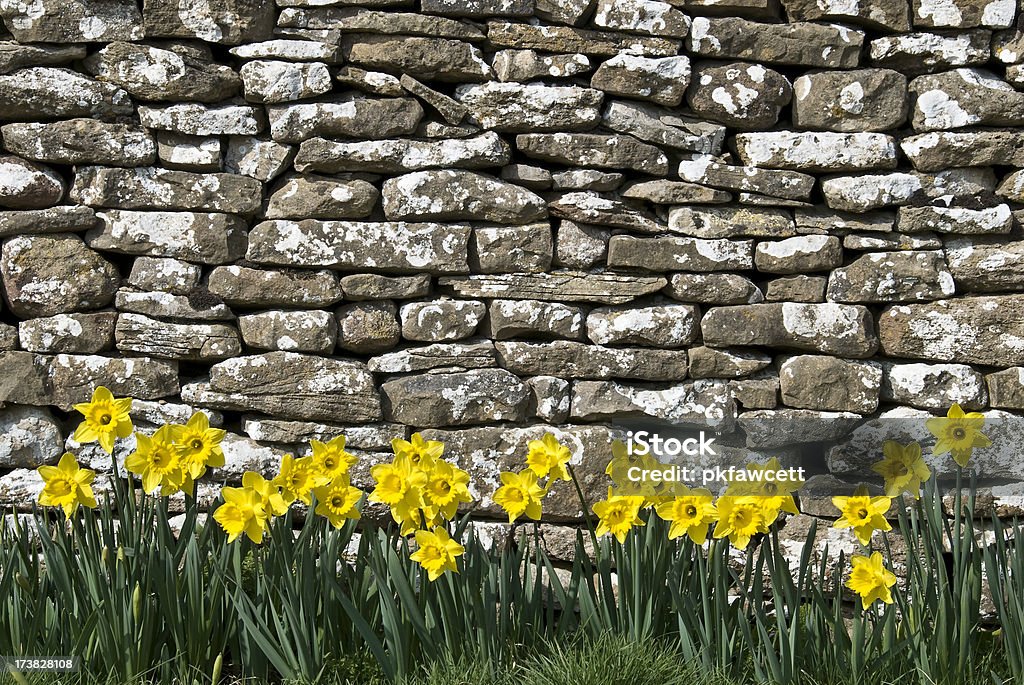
(488, 219)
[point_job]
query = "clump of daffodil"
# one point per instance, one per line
(774, 496)
(250, 508)
(336, 501)
(548, 458)
(436, 552)
(447, 486)
(740, 517)
(903, 468)
(958, 433)
(618, 514)
(863, 513)
(198, 448)
(421, 453)
(330, 460)
(520, 494)
(870, 579)
(400, 486)
(623, 460)
(106, 419)
(67, 485)
(156, 460)
(691, 513)
(296, 478)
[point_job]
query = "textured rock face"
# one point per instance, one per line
(837, 329)
(858, 100)
(745, 96)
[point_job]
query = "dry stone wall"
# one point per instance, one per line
(487, 219)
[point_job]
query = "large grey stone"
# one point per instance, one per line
(27, 185)
(703, 403)
(567, 39)
(934, 386)
(272, 81)
(229, 22)
(963, 220)
(41, 93)
(441, 320)
(708, 171)
(313, 197)
(964, 97)
(579, 360)
(402, 155)
(72, 21)
(352, 116)
(709, 362)
(743, 96)
(963, 14)
(564, 286)
(368, 327)
(245, 287)
(153, 188)
(888, 15)
(150, 73)
(659, 79)
(199, 237)
(829, 384)
(453, 195)
(661, 325)
(838, 329)
(315, 331)
(714, 288)
(29, 437)
(138, 334)
(986, 264)
(662, 126)
(602, 210)
(194, 119)
(817, 152)
(81, 141)
(680, 254)
(892, 277)
(428, 59)
(441, 355)
(798, 43)
(850, 101)
(164, 274)
(70, 333)
(648, 17)
(944, 149)
(14, 56)
(371, 21)
(527, 65)
(534, 319)
(512, 249)
(731, 222)
(456, 399)
(594, 150)
(919, 53)
(799, 254)
(377, 287)
(74, 378)
(515, 107)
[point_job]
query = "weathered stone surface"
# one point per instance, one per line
(571, 12)
(881, 242)
(680, 254)
(290, 50)
(229, 22)
(816, 152)
(165, 275)
(15, 56)
(354, 116)
(199, 237)
(534, 319)
(456, 399)
(368, 327)
(962, 220)
(580, 246)
(512, 249)
(799, 254)
(756, 393)
(595, 209)
(41, 93)
(162, 304)
(271, 81)
(201, 120)
(551, 398)
(153, 188)
(1012, 187)
(441, 355)
(714, 289)
(708, 362)
(730, 222)
(661, 80)
(770, 429)
(73, 21)
(850, 101)
(804, 44)
(478, 8)
(45, 275)
(377, 287)
(313, 197)
(451, 111)
(441, 320)
(702, 403)
(708, 171)
(919, 53)
(140, 334)
(870, 191)
(963, 14)
(369, 437)
(373, 246)
(830, 384)
(968, 330)
(29, 437)
(527, 175)
(263, 160)
(891, 15)
(674, 193)
(301, 331)
(25, 378)
(245, 287)
(934, 386)
(339, 20)
(579, 360)
(740, 95)
(587, 179)
(964, 97)
(27, 185)
(70, 333)
(150, 73)
(892, 277)
(399, 156)
(452, 195)
(821, 220)
(565, 39)
(74, 377)
(662, 127)
(429, 59)
(527, 65)
(372, 82)
(290, 386)
(515, 107)
(986, 264)
(662, 325)
(1006, 388)
(649, 17)
(799, 288)
(81, 141)
(567, 286)
(839, 329)
(944, 149)
(189, 153)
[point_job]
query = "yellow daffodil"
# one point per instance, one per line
(903, 468)
(243, 511)
(421, 453)
(618, 514)
(66, 485)
(269, 494)
(156, 461)
(198, 448)
(774, 495)
(296, 478)
(436, 552)
(520, 494)
(870, 579)
(691, 512)
(400, 486)
(619, 469)
(548, 458)
(337, 501)
(958, 433)
(740, 518)
(106, 419)
(447, 486)
(330, 460)
(862, 512)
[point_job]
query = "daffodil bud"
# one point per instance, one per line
(23, 582)
(105, 555)
(137, 604)
(218, 665)
(120, 554)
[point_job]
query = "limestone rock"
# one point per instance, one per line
(441, 320)
(194, 119)
(663, 325)
(527, 65)
(799, 288)
(986, 264)
(565, 39)
(594, 150)
(830, 384)
(27, 185)
(426, 357)
(403, 155)
(165, 275)
(961, 220)
(512, 249)
(1012, 187)
(850, 101)
(944, 149)
(452, 195)
(289, 50)
(189, 153)
(41, 93)
(564, 286)
(81, 141)
(963, 14)
(730, 222)
(934, 386)
(587, 179)
(817, 152)
(781, 184)
(580, 246)
(376, 287)
(140, 334)
(315, 331)
(368, 327)
(29, 437)
(838, 329)
(756, 393)
(594, 209)
(967, 330)
(704, 403)
(229, 22)
(14, 56)
(370, 21)
(798, 43)
(870, 191)
(350, 116)
(25, 378)
(456, 399)
(194, 236)
(374, 436)
(674, 193)
(45, 275)
(162, 304)
(680, 254)
(72, 21)
(245, 287)
(661, 80)
(263, 160)
(312, 197)
(74, 377)
(892, 277)
(874, 242)
(714, 289)
(770, 429)
(551, 398)
(1006, 388)
(709, 362)
(889, 15)
(515, 107)
(662, 127)
(964, 97)
(920, 53)
(272, 81)
(579, 360)
(649, 17)
(429, 59)
(379, 246)
(799, 254)
(739, 95)
(150, 73)
(478, 8)
(70, 333)
(534, 319)
(153, 188)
